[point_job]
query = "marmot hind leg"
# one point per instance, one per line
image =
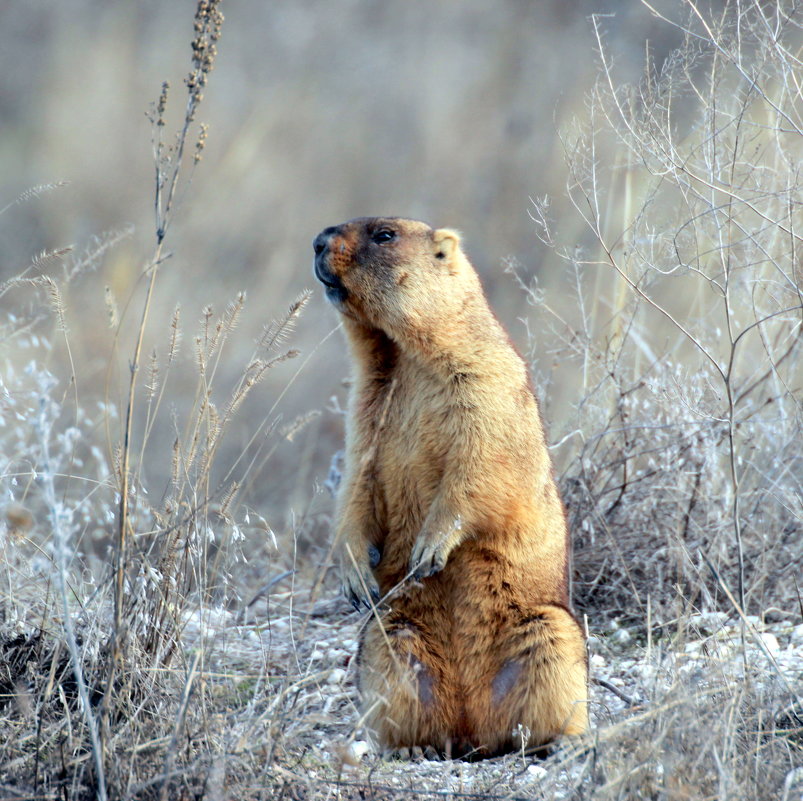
(407, 684)
(539, 682)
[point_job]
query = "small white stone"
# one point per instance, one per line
(359, 748)
(597, 661)
(621, 637)
(709, 621)
(645, 671)
(349, 645)
(770, 642)
(536, 772)
(336, 676)
(316, 655)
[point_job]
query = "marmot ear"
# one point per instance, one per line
(447, 241)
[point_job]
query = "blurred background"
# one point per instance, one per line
(317, 112)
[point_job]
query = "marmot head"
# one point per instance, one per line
(394, 274)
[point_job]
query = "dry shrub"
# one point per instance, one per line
(683, 468)
(717, 740)
(686, 446)
(96, 674)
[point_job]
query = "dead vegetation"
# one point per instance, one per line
(160, 642)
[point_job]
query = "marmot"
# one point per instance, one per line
(449, 524)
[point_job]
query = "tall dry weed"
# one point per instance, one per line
(686, 446)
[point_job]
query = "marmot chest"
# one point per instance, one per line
(413, 446)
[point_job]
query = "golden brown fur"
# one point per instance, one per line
(448, 509)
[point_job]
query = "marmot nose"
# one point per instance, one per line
(322, 240)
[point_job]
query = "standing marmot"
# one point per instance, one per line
(448, 510)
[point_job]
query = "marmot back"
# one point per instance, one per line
(449, 525)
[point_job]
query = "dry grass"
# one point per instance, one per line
(691, 354)
(159, 640)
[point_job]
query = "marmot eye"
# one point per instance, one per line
(383, 235)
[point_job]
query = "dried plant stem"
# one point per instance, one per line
(59, 541)
(170, 756)
(208, 21)
(123, 521)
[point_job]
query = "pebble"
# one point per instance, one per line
(536, 771)
(645, 671)
(621, 637)
(359, 748)
(709, 621)
(336, 676)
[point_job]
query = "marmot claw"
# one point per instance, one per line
(355, 585)
(428, 558)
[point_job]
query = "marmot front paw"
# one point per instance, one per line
(429, 556)
(359, 585)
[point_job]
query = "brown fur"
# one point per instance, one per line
(448, 508)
